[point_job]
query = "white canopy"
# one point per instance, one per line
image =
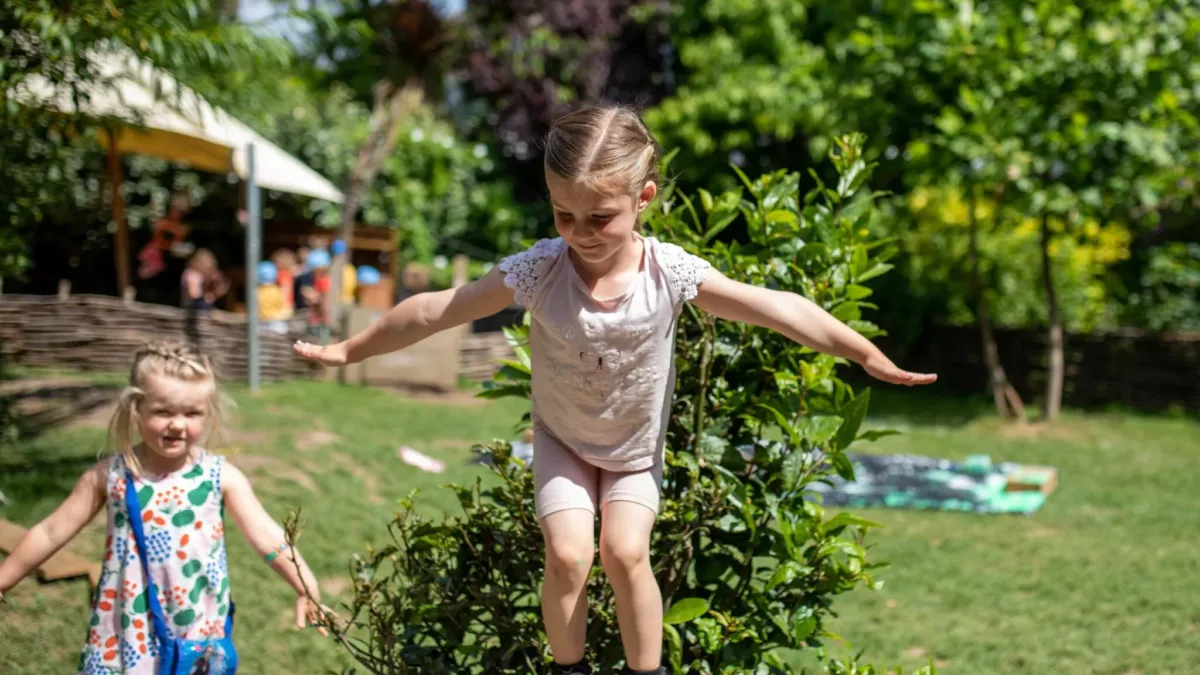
(164, 118)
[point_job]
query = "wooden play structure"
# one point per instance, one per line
(62, 565)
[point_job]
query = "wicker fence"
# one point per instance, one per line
(101, 333)
(479, 353)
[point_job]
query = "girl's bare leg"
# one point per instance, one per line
(570, 549)
(625, 555)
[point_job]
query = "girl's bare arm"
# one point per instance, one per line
(266, 536)
(58, 529)
(417, 318)
(800, 320)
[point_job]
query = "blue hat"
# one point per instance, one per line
(338, 247)
(368, 276)
(267, 272)
(318, 257)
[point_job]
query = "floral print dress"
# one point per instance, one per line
(182, 515)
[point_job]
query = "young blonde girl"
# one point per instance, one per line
(202, 283)
(604, 302)
(172, 404)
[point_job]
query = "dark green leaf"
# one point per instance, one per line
(852, 415)
(843, 465)
(804, 628)
(856, 292)
(847, 311)
(817, 429)
(790, 471)
(717, 227)
(876, 270)
(785, 574)
(848, 519)
(686, 610)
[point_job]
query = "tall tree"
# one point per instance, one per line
(1110, 92)
(525, 62)
(1095, 105)
(393, 54)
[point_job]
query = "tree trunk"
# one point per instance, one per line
(1008, 402)
(392, 104)
(121, 242)
(1056, 375)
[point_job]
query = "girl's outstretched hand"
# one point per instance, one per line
(328, 355)
(309, 613)
(883, 369)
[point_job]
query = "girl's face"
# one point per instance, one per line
(204, 261)
(173, 415)
(596, 222)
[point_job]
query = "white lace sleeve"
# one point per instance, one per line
(523, 271)
(685, 271)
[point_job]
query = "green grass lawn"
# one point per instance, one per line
(328, 449)
(1101, 580)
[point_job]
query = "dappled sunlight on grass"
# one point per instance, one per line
(1096, 581)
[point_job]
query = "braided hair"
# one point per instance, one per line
(172, 359)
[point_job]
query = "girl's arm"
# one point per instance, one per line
(265, 536)
(416, 318)
(193, 283)
(48, 536)
(800, 320)
(220, 285)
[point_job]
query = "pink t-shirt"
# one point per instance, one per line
(604, 375)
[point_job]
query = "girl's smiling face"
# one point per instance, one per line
(173, 415)
(596, 221)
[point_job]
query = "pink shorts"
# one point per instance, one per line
(563, 480)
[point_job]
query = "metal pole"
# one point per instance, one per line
(253, 255)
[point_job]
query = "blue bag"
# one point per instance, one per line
(177, 656)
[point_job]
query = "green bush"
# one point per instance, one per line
(1168, 295)
(749, 565)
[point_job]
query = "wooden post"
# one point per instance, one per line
(121, 242)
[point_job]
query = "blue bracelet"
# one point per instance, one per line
(270, 557)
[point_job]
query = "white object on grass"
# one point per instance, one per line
(422, 462)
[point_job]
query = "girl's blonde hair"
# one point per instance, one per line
(162, 359)
(603, 143)
(202, 260)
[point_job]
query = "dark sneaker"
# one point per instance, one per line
(573, 669)
(662, 670)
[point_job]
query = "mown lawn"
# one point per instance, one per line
(1102, 580)
(326, 449)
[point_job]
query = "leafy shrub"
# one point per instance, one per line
(749, 564)
(1168, 297)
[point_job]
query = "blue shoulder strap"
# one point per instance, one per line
(157, 617)
(134, 511)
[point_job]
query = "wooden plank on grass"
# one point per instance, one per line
(1041, 479)
(61, 565)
